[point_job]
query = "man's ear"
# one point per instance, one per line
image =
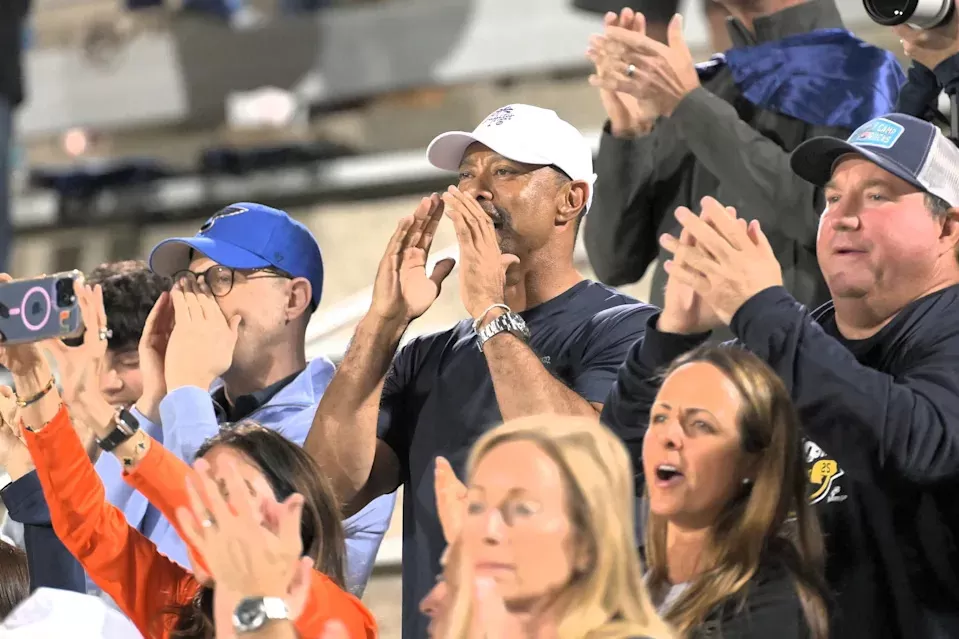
(573, 197)
(949, 236)
(300, 298)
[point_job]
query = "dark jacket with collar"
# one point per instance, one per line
(716, 143)
(13, 15)
(881, 418)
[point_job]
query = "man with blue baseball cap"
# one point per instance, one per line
(874, 373)
(227, 344)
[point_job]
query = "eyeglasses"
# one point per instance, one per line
(221, 278)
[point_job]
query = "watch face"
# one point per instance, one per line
(249, 614)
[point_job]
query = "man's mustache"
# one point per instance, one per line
(500, 216)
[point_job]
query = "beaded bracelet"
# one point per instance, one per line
(33, 399)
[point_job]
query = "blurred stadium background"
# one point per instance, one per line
(143, 118)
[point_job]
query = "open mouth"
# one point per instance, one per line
(665, 473)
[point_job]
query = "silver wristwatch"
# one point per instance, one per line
(252, 613)
(507, 322)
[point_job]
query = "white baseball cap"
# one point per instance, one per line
(522, 133)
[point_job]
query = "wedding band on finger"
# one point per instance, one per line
(630, 70)
(105, 334)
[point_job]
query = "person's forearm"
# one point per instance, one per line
(34, 386)
(522, 384)
(274, 630)
(343, 436)
(100, 416)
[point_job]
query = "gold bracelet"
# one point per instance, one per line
(33, 399)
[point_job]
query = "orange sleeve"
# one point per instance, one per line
(121, 561)
(328, 601)
(161, 478)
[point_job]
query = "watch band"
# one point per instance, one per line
(252, 613)
(125, 426)
(507, 322)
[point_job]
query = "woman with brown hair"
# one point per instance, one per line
(732, 545)
(547, 541)
(14, 578)
(162, 598)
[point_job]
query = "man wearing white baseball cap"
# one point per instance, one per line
(538, 338)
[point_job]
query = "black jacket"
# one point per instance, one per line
(882, 423)
(13, 14)
(715, 143)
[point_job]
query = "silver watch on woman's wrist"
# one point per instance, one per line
(252, 613)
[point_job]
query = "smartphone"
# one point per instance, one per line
(40, 308)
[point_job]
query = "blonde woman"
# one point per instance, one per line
(546, 547)
(732, 546)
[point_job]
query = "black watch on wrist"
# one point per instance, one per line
(125, 425)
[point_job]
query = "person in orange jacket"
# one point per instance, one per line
(274, 481)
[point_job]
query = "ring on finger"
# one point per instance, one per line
(630, 70)
(208, 522)
(104, 334)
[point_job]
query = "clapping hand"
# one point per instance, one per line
(726, 262)
(628, 116)
(652, 72)
(251, 546)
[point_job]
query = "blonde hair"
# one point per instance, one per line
(771, 520)
(607, 599)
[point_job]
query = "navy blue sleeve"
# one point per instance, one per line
(626, 408)
(920, 93)
(393, 427)
(50, 563)
(603, 348)
(947, 74)
(908, 424)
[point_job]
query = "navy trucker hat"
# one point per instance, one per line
(247, 235)
(907, 147)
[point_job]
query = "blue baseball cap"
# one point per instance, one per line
(907, 147)
(247, 235)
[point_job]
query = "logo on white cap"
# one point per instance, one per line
(499, 116)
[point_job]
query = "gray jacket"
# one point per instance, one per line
(715, 143)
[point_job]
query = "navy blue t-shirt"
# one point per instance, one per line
(439, 399)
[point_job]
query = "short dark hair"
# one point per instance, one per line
(14, 578)
(937, 206)
(130, 290)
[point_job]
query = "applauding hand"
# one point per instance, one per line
(728, 261)
(628, 116)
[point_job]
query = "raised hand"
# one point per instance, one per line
(152, 351)
(482, 265)
(14, 456)
(201, 344)
(79, 367)
(402, 290)
(727, 264)
(684, 310)
(654, 73)
(628, 116)
(450, 500)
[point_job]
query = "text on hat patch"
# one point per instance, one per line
(881, 133)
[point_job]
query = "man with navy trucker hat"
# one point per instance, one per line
(264, 271)
(874, 373)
